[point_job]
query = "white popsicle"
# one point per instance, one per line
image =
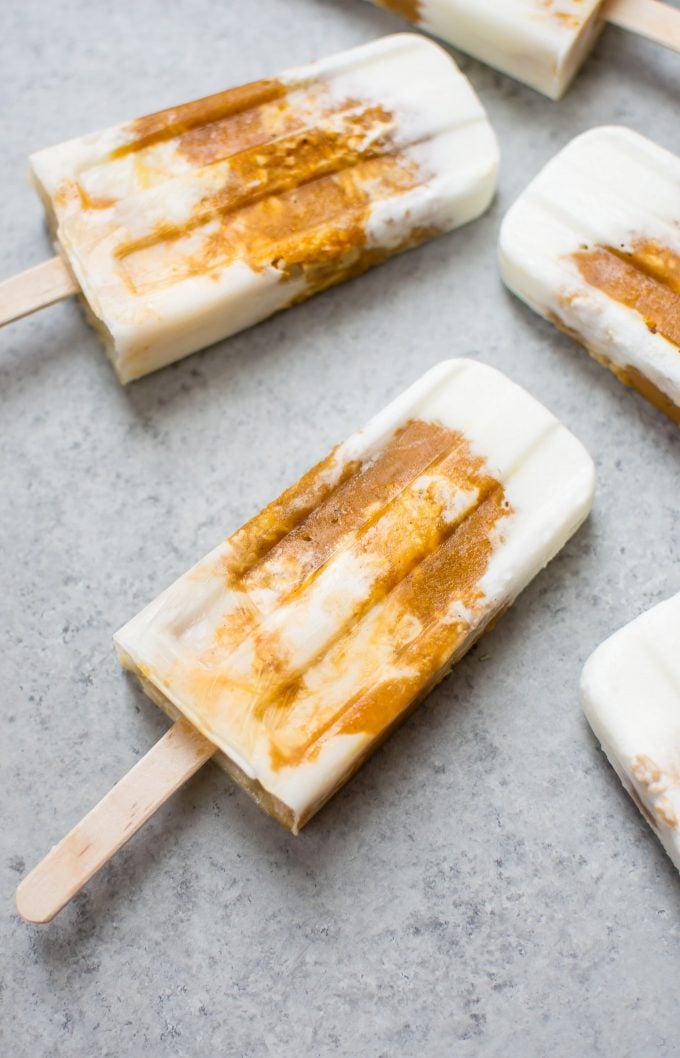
(630, 692)
(593, 244)
(297, 644)
(539, 42)
(188, 225)
(293, 649)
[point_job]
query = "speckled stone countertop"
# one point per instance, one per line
(484, 887)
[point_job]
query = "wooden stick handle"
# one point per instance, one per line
(71, 863)
(43, 285)
(648, 18)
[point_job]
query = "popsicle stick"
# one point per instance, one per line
(648, 18)
(119, 815)
(43, 285)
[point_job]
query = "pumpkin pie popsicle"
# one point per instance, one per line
(540, 42)
(593, 244)
(292, 650)
(630, 693)
(183, 227)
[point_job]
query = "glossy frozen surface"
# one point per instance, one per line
(540, 42)
(303, 639)
(193, 223)
(593, 244)
(630, 692)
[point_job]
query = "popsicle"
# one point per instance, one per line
(188, 225)
(593, 244)
(630, 693)
(294, 647)
(540, 42)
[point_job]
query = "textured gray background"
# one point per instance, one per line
(483, 887)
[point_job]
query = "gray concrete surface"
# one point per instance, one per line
(483, 887)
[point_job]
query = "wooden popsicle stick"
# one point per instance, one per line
(648, 18)
(33, 289)
(119, 815)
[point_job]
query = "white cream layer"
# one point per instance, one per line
(438, 122)
(539, 42)
(609, 186)
(630, 693)
(548, 480)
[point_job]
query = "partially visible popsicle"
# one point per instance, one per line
(630, 693)
(186, 226)
(593, 244)
(540, 42)
(299, 643)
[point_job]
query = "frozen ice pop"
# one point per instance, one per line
(188, 225)
(630, 693)
(292, 650)
(593, 244)
(299, 642)
(539, 42)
